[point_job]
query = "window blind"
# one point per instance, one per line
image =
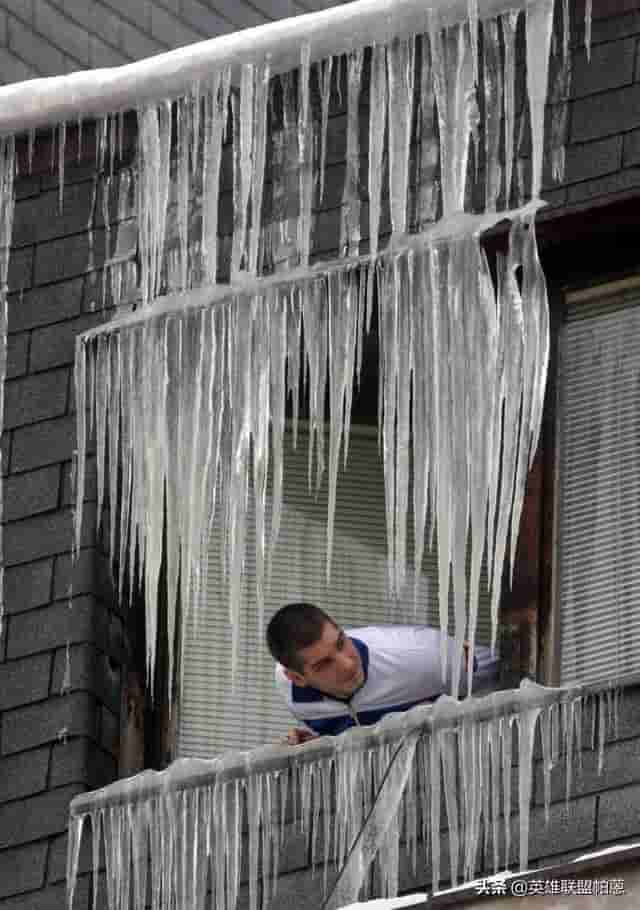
(215, 719)
(599, 488)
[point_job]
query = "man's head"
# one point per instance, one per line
(314, 651)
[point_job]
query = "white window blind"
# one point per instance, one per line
(599, 488)
(212, 717)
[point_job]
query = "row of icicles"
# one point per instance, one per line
(190, 407)
(183, 847)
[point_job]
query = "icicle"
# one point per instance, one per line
(325, 92)
(587, 28)
(350, 223)
(473, 33)
(62, 143)
(377, 104)
(539, 21)
(509, 22)
(451, 53)
(427, 190)
(305, 155)
(73, 855)
(400, 64)
(493, 96)
(31, 142)
(184, 140)
(216, 110)
(261, 97)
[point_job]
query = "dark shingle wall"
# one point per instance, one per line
(52, 745)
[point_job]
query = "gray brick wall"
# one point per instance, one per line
(52, 745)
(603, 108)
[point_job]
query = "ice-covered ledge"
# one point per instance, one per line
(386, 781)
(447, 713)
(42, 102)
(459, 224)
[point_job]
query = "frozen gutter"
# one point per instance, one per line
(95, 93)
(446, 713)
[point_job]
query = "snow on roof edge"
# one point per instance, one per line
(94, 93)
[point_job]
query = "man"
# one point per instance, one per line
(333, 679)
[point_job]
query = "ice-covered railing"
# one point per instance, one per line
(170, 837)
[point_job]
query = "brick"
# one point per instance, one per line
(26, 186)
(604, 114)
(604, 186)
(45, 535)
(242, 15)
(109, 731)
(83, 578)
(54, 345)
(34, 398)
(31, 493)
(104, 55)
(21, 269)
(628, 723)
(619, 814)
(13, 69)
(43, 443)
(570, 827)
(24, 681)
(169, 30)
(58, 624)
(278, 9)
(609, 28)
(72, 39)
(138, 13)
(39, 219)
(611, 67)
(303, 889)
(44, 306)
(22, 869)
(592, 159)
(69, 256)
(91, 670)
(621, 766)
(46, 59)
(40, 816)
(52, 898)
(48, 722)
(5, 450)
(136, 44)
(28, 586)
(24, 774)
(204, 20)
(631, 149)
(17, 355)
(80, 761)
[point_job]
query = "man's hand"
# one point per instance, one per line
(298, 735)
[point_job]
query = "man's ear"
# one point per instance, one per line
(296, 678)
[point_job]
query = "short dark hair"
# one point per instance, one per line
(295, 626)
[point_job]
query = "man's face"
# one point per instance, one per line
(331, 664)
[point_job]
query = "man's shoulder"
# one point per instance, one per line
(398, 638)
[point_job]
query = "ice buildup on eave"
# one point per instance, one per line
(190, 399)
